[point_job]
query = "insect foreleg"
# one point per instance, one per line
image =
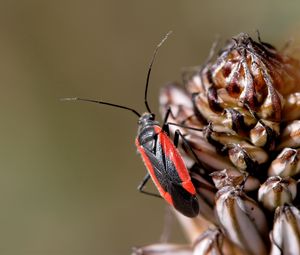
(178, 135)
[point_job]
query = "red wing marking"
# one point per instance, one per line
(189, 186)
(173, 154)
(150, 169)
(168, 198)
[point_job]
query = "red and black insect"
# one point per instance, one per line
(164, 163)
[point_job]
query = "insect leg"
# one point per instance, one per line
(166, 124)
(184, 126)
(178, 135)
(142, 185)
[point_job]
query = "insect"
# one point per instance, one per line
(165, 165)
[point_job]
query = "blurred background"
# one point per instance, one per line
(69, 171)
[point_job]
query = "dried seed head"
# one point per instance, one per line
(286, 164)
(285, 236)
(243, 110)
(277, 191)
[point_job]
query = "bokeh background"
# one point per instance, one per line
(69, 171)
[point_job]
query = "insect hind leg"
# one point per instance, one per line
(142, 186)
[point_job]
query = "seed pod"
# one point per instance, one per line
(277, 191)
(285, 236)
(234, 178)
(242, 220)
(286, 164)
(291, 135)
(236, 145)
(213, 242)
(208, 243)
(163, 248)
(246, 157)
(227, 178)
(238, 120)
(264, 134)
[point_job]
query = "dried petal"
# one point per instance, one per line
(264, 134)
(163, 248)
(201, 104)
(277, 191)
(291, 135)
(227, 178)
(234, 178)
(286, 164)
(213, 242)
(209, 243)
(285, 236)
(236, 145)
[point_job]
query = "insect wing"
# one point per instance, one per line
(174, 163)
(179, 185)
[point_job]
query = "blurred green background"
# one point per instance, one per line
(69, 171)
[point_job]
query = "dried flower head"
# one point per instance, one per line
(240, 113)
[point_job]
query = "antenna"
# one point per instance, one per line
(101, 102)
(150, 68)
(146, 88)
